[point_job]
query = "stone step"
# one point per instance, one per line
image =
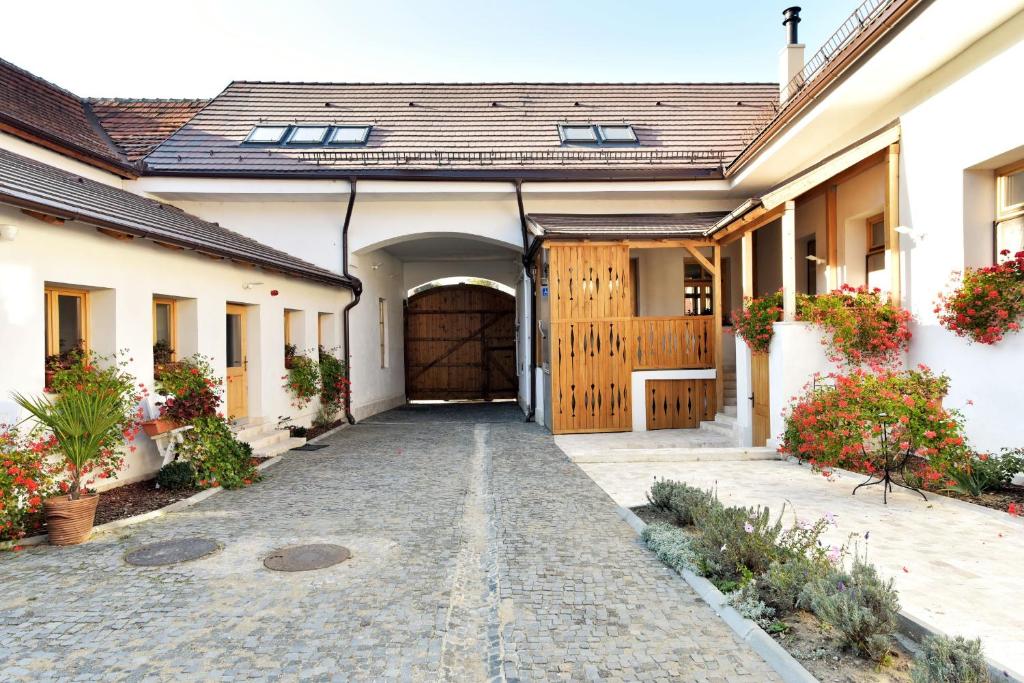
(255, 432)
(268, 439)
(718, 429)
(278, 447)
(729, 410)
(691, 454)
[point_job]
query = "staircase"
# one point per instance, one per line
(264, 437)
(725, 423)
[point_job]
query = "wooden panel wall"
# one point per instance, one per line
(679, 403)
(685, 342)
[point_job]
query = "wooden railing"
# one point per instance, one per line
(673, 342)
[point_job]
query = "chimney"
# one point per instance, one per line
(791, 58)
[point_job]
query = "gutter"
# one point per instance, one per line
(528, 252)
(740, 211)
(357, 292)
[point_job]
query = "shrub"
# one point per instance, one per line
(176, 475)
(162, 354)
(25, 478)
(859, 606)
(191, 389)
(303, 381)
(983, 473)
(754, 322)
(785, 580)
(747, 601)
(736, 541)
(687, 503)
(840, 426)
(216, 456)
(987, 303)
(950, 660)
(671, 545)
(660, 494)
(334, 386)
(862, 325)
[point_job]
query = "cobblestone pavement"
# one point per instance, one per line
(479, 553)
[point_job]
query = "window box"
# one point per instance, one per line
(158, 426)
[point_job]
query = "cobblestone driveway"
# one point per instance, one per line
(479, 552)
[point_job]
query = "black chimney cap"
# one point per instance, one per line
(791, 17)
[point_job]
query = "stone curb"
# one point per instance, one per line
(749, 632)
(916, 630)
(636, 455)
(144, 517)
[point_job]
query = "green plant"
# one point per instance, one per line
(950, 660)
(862, 325)
(176, 475)
(858, 605)
(786, 578)
(162, 353)
(754, 321)
(218, 458)
(334, 385)
(681, 501)
(303, 380)
(660, 494)
(289, 351)
(25, 479)
(190, 388)
(747, 601)
(987, 303)
(735, 541)
(671, 545)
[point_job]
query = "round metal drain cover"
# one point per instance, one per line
(172, 552)
(304, 558)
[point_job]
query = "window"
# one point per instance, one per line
(812, 267)
(66, 324)
(289, 345)
(1009, 224)
(617, 133)
(875, 260)
(577, 133)
(698, 293)
(308, 135)
(267, 134)
(382, 329)
(350, 135)
(322, 320)
(165, 324)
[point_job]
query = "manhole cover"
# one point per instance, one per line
(303, 558)
(171, 552)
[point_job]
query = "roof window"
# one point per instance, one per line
(350, 135)
(618, 132)
(569, 132)
(308, 135)
(267, 134)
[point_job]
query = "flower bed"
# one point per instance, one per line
(987, 303)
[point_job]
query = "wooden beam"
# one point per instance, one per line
(844, 176)
(789, 261)
(44, 217)
(717, 328)
(831, 238)
(631, 243)
(167, 245)
(708, 266)
(117, 235)
(758, 218)
(747, 263)
(892, 221)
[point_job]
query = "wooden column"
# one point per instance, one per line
(831, 239)
(747, 263)
(789, 262)
(717, 327)
(892, 220)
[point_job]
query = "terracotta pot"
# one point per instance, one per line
(69, 522)
(158, 426)
(50, 374)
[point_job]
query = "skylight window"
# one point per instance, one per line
(350, 135)
(617, 133)
(267, 134)
(308, 135)
(577, 133)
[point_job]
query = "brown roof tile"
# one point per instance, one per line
(34, 185)
(619, 225)
(138, 126)
(497, 128)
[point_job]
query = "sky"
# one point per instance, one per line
(188, 48)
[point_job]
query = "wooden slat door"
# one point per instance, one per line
(591, 304)
(460, 344)
(762, 419)
(679, 403)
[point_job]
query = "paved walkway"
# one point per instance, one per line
(957, 566)
(479, 553)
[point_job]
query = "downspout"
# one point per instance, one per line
(527, 256)
(357, 292)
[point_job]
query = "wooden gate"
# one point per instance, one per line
(762, 418)
(460, 344)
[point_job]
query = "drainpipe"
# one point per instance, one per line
(527, 256)
(357, 292)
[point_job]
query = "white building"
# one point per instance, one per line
(306, 213)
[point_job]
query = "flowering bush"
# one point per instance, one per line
(303, 380)
(862, 325)
(216, 456)
(25, 478)
(191, 389)
(988, 302)
(754, 321)
(840, 426)
(334, 386)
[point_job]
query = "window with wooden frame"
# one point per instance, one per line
(289, 345)
(874, 261)
(321, 321)
(67, 324)
(382, 328)
(698, 291)
(1009, 223)
(165, 330)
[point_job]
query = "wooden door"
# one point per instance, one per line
(460, 344)
(762, 419)
(237, 363)
(679, 403)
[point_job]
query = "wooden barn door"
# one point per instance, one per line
(762, 418)
(460, 344)
(591, 303)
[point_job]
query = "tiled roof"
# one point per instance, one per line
(138, 126)
(509, 129)
(35, 106)
(30, 184)
(638, 224)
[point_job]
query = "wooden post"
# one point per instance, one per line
(747, 263)
(831, 239)
(789, 262)
(892, 220)
(716, 288)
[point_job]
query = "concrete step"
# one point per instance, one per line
(729, 410)
(717, 428)
(268, 439)
(255, 432)
(693, 454)
(278, 447)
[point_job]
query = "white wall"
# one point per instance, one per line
(506, 270)
(123, 277)
(857, 199)
(795, 355)
(660, 272)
